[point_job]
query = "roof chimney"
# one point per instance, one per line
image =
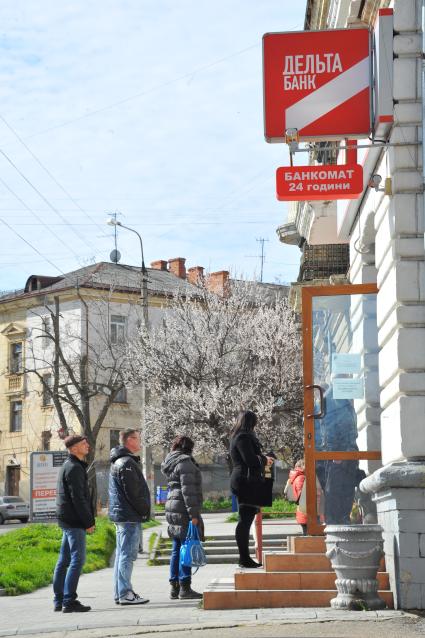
(195, 275)
(159, 264)
(218, 282)
(177, 267)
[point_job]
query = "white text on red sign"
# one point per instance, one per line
(308, 66)
(325, 182)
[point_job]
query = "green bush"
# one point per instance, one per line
(217, 505)
(280, 509)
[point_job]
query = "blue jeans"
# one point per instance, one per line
(127, 546)
(177, 571)
(72, 557)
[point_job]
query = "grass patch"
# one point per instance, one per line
(217, 505)
(151, 523)
(28, 556)
(280, 509)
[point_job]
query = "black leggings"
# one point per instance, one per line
(246, 516)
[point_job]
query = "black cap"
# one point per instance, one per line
(73, 439)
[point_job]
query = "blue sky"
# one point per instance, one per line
(152, 108)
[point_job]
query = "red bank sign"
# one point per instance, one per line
(336, 181)
(317, 82)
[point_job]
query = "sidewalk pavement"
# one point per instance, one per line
(33, 613)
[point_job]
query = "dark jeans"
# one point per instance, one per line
(246, 516)
(70, 564)
(177, 571)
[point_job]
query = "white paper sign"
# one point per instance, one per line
(45, 468)
(348, 388)
(346, 363)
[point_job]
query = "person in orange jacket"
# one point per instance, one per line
(297, 478)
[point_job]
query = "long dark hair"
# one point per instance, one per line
(245, 422)
(183, 443)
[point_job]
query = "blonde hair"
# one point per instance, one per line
(300, 464)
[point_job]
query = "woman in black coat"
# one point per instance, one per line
(184, 503)
(247, 461)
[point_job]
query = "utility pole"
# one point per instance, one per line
(147, 462)
(262, 256)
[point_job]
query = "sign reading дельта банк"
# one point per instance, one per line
(317, 82)
(335, 181)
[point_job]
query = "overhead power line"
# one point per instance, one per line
(46, 170)
(53, 208)
(38, 218)
(31, 246)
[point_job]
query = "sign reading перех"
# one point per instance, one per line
(335, 181)
(44, 471)
(317, 82)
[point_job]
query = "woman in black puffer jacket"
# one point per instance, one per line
(184, 503)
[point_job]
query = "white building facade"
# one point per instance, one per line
(384, 228)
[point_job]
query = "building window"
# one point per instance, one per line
(16, 357)
(16, 416)
(121, 396)
(117, 329)
(47, 389)
(114, 438)
(46, 330)
(45, 440)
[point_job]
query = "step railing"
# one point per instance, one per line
(258, 531)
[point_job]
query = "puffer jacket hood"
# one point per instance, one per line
(184, 500)
(293, 474)
(120, 451)
(169, 464)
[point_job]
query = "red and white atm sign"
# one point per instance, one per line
(334, 181)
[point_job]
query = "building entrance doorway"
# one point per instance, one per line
(13, 475)
(341, 402)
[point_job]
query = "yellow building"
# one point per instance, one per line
(99, 308)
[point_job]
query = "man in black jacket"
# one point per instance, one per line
(76, 518)
(129, 505)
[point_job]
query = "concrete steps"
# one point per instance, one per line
(223, 549)
(221, 594)
(301, 577)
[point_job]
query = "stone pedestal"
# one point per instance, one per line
(355, 552)
(399, 492)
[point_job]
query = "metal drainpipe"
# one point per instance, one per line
(423, 109)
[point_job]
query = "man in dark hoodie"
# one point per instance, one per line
(129, 505)
(76, 518)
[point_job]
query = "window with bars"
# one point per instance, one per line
(47, 389)
(121, 396)
(46, 330)
(16, 360)
(117, 329)
(114, 438)
(16, 416)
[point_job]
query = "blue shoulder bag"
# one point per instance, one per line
(192, 553)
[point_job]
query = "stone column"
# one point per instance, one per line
(399, 486)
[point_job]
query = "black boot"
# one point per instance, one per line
(175, 589)
(248, 563)
(187, 593)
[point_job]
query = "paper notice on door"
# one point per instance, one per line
(348, 388)
(346, 363)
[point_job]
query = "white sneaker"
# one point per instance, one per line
(132, 598)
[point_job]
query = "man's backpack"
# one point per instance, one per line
(289, 493)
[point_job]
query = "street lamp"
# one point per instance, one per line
(144, 287)
(146, 453)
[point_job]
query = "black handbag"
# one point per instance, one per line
(256, 491)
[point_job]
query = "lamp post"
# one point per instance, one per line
(146, 450)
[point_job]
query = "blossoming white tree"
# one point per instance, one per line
(212, 356)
